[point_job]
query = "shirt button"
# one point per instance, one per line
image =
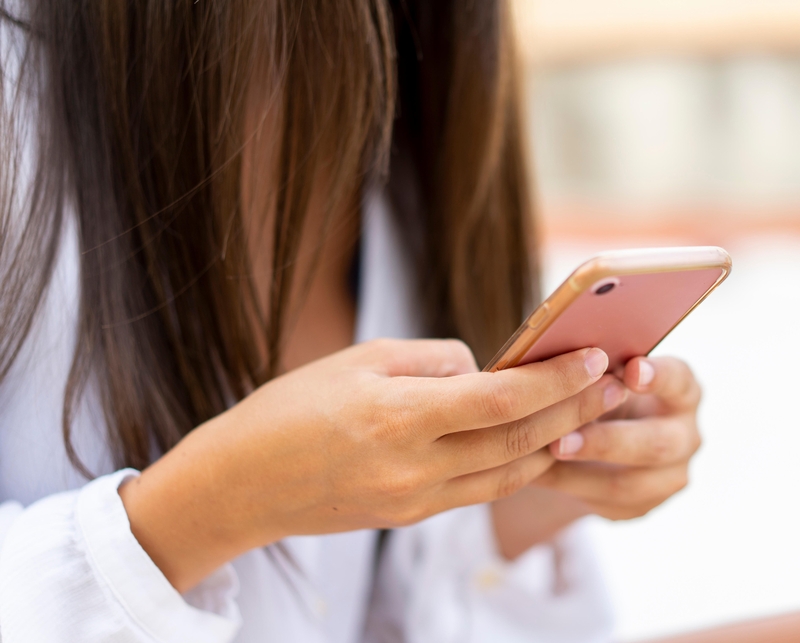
(488, 578)
(320, 607)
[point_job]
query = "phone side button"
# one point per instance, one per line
(539, 317)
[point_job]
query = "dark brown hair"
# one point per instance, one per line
(142, 129)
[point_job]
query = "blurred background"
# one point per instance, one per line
(664, 122)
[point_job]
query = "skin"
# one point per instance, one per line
(394, 432)
(387, 433)
(626, 463)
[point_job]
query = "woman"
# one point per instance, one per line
(181, 209)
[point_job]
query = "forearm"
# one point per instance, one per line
(185, 509)
(167, 507)
(532, 516)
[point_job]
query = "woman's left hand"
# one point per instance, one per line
(634, 459)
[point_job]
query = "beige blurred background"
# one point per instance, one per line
(661, 122)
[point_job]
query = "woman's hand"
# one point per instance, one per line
(620, 467)
(629, 463)
(379, 435)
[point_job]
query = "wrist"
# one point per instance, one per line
(531, 517)
(183, 514)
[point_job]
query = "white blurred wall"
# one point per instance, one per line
(728, 547)
(653, 112)
(670, 131)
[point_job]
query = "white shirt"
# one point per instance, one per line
(71, 570)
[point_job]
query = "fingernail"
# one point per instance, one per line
(613, 396)
(646, 372)
(570, 444)
(596, 362)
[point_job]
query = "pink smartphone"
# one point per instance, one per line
(624, 302)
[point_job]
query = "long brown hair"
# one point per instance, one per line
(141, 125)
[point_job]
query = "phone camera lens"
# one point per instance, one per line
(605, 286)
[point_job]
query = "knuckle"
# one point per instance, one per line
(693, 394)
(668, 444)
(690, 390)
(396, 417)
(389, 427)
(501, 403)
(685, 371)
(459, 348)
(662, 448)
(401, 485)
(379, 347)
(510, 481)
(461, 355)
(405, 425)
(566, 377)
(517, 441)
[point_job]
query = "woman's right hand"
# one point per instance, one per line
(382, 434)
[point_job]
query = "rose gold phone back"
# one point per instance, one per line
(627, 321)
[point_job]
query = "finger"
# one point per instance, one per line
(480, 400)
(624, 486)
(470, 451)
(621, 512)
(668, 378)
(418, 357)
(651, 442)
(500, 482)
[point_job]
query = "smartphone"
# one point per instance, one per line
(624, 302)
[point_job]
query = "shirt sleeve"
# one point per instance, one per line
(71, 570)
(444, 581)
